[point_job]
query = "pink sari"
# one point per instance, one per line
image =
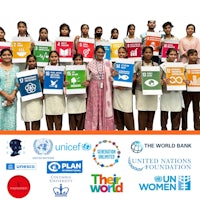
(99, 113)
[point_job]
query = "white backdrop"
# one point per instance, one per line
(108, 14)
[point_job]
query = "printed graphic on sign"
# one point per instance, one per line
(41, 51)
(125, 69)
(106, 184)
(134, 49)
(151, 80)
(153, 40)
(175, 72)
(64, 46)
(75, 76)
(86, 48)
(53, 80)
(106, 153)
(114, 45)
(168, 44)
(107, 48)
(193, 76)
(29, 85)
(20, 49)
(18, 186)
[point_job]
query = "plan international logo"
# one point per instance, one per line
(167, 183)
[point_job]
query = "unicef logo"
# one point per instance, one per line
(30, 88)
(86, 146)
(43, 146)
(136, 147)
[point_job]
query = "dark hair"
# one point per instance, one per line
(4, 50)
(83, 26)
(167, 24)
(125, 49)
(112, 31)
(78, 55)
(128, 27)
(24, 23)
(43, 28)
(98, 27)
(28, 57)
(191, 52)
(99, 47)
(1, 29)
(64, 25)
(149, 21)
(54, 51)
(191, 25)
(170, 50)
(147, 47)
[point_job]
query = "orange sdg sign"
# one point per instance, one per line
(175, 73)
(21, 49)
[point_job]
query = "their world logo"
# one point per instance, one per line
(54, 167)
(137, 147)
(43, 146)
(106, 184)
(60, 191)
(167, 183)
(106, 153)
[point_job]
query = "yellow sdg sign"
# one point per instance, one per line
(21, 49)
(106, 153)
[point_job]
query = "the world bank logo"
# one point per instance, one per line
(43, 146)
(136, 147)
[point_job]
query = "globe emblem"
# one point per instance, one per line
(86, 147)
(43, 146)
(136, 147)
(158, 178)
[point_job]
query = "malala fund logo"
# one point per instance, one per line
(106, 153)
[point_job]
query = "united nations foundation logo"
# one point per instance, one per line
(136, 147)
(43, 146)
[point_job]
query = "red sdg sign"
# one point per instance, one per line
(18, 186)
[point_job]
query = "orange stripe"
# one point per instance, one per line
(99, 132)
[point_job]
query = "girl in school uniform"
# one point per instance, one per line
(32, 110)
(123, 102)
(193, 97)
(54, 103)
(145, 104)
(76, 103)
(23, 33)
(170, 101)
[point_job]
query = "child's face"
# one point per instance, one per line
(85, 30)
(2, 35)
(131, 30)
(53, 58)
(43, 35)
(31, 63)
(148, 54)
(115, 34)
(122, 53)
(167, 29)
(22, 29)
(190, 30)
(193, 58)
(172, 56)
(78, 61)
(64, 31)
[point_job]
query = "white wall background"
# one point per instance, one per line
(108, 14)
